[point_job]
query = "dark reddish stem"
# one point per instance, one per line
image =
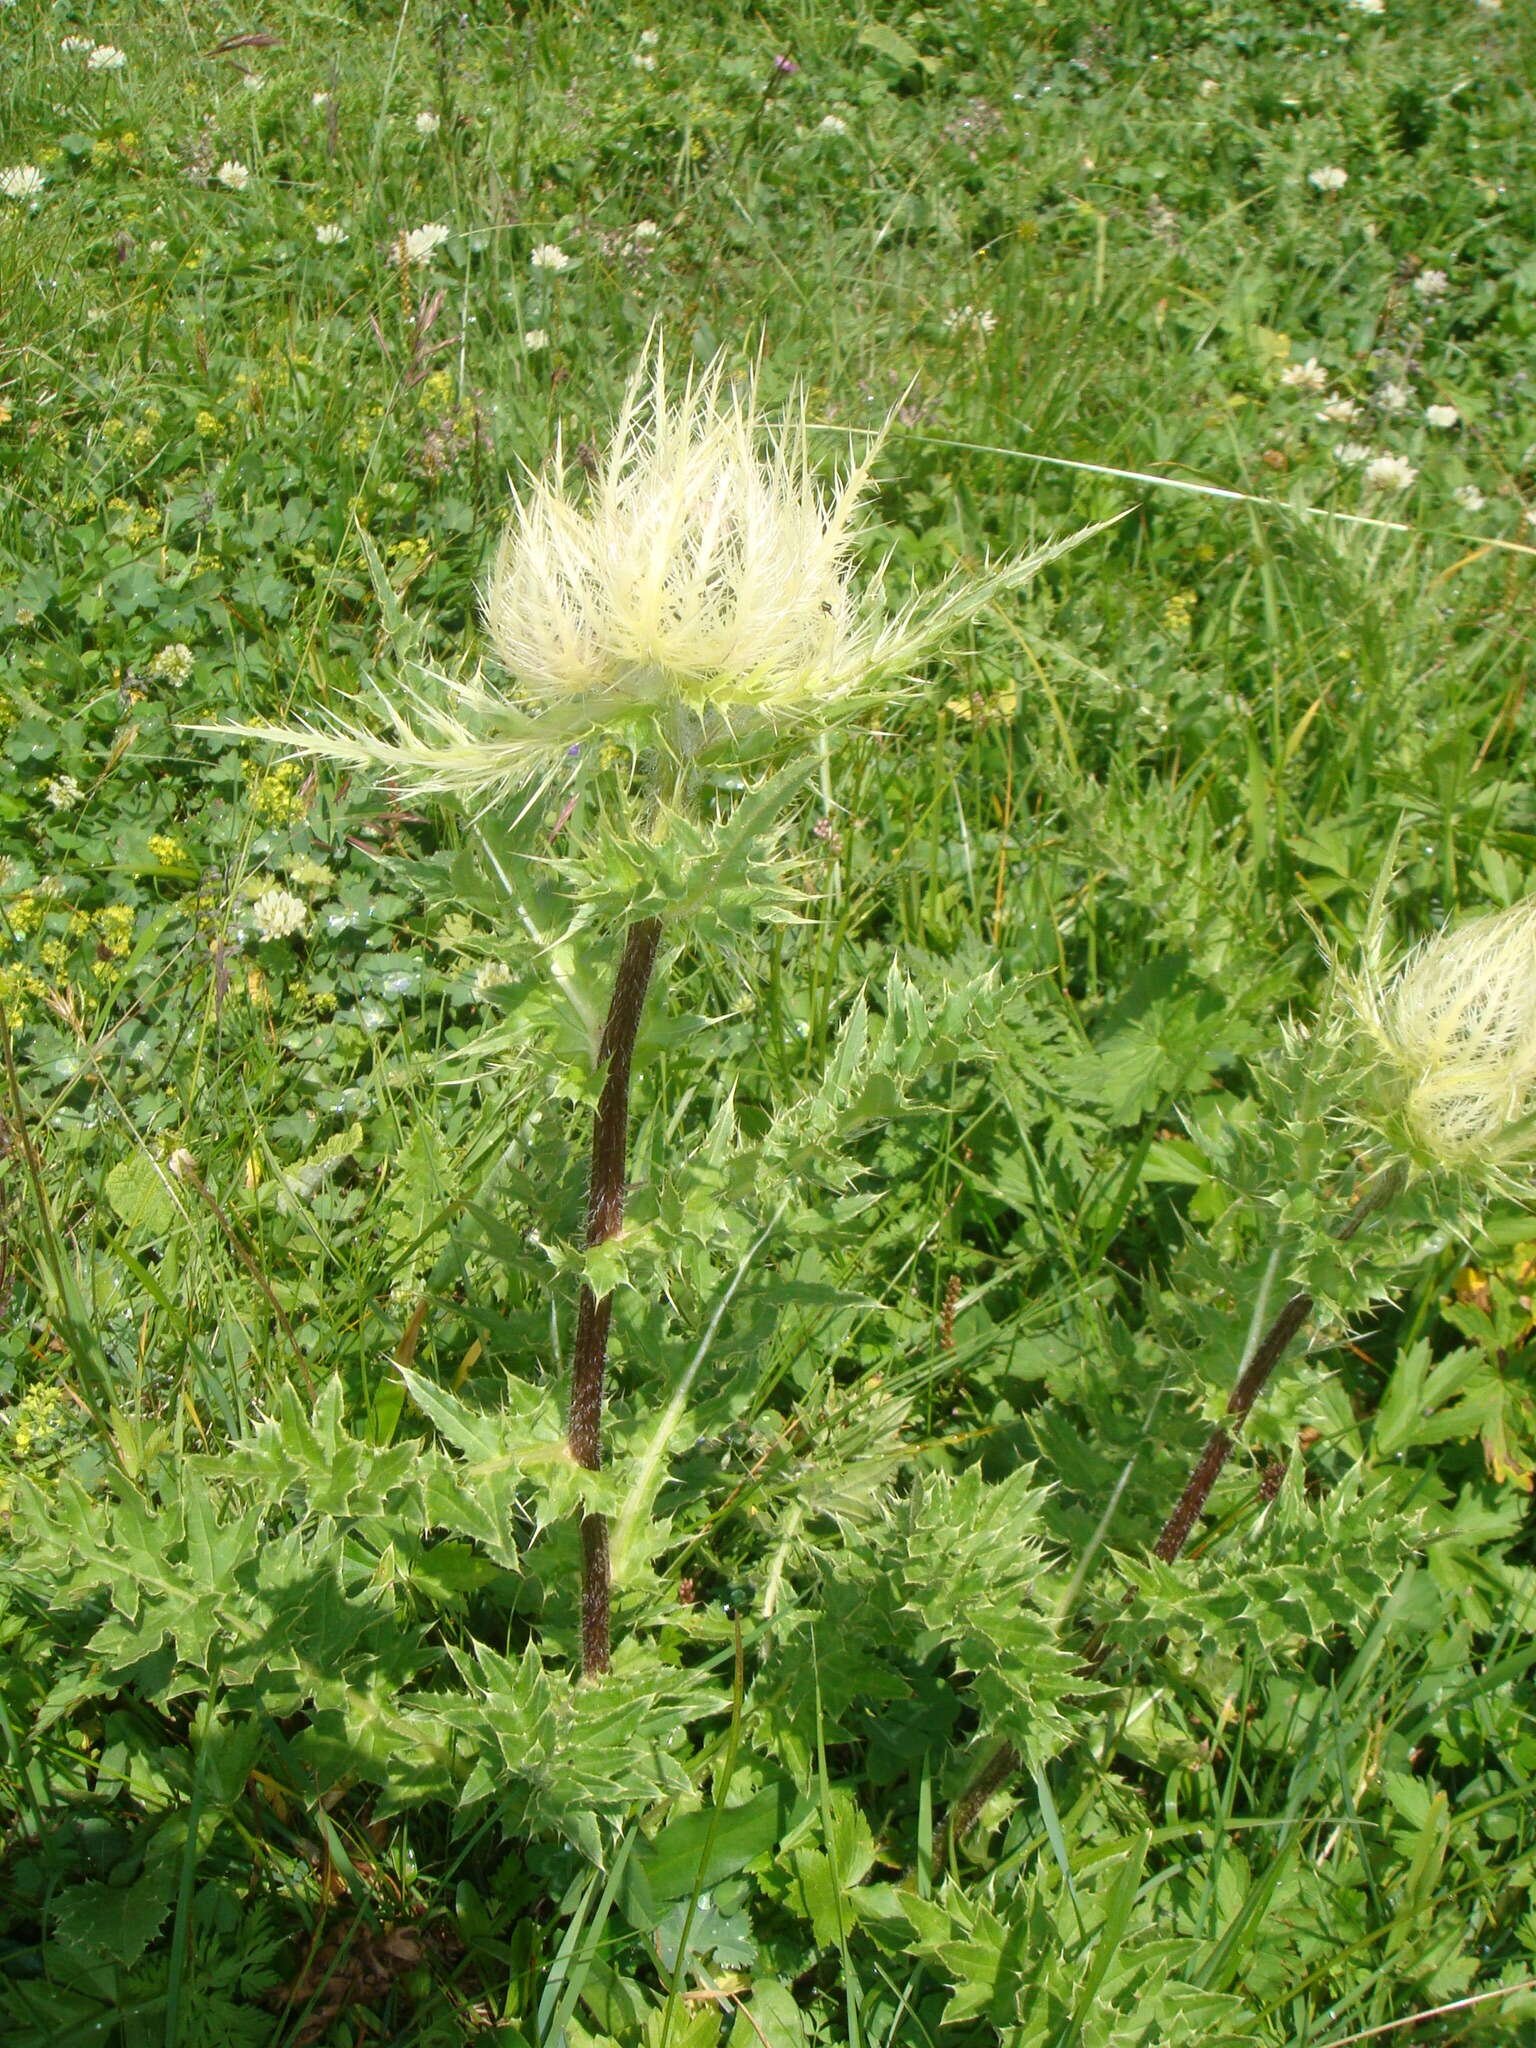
(1267, 1355)
(605, 1215)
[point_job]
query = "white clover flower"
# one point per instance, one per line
(1389, 473)
(172, 664)
(253, 81)
(330, 234)
(106, 57)
(63, 792)
(1431, 284)
(234, 174)
(549, 256)
(1209, 87)
(535, 339)
(22, 181)
(1307, 376)
(1340, 411)
(649, 38)
(831, 124)
(428, 123)
(1367, 6)
(1456, 1026)
(1441, 415)
(422, 242)
(320, 99)
(1469, 497)
(643, 60)
(1489, 6)
(1393, 397)
(645, 231)
(1351, 453)
(699, 588)
(76, 46)
(1330, 178)
(278, 914)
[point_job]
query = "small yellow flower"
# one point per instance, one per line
(25, 913)
(275, 798)
(114, 927)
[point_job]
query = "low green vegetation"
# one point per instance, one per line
(1000, 1079)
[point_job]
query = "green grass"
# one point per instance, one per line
(286, 1637)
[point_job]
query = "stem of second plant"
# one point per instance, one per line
(605, 1215)
(1262, 1358)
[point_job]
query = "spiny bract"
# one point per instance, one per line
(697, 586)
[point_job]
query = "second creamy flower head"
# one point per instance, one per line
(1456, 1027)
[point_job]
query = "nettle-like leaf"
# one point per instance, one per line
(514, 1465)
(1045, 1964)
(972, 1557)
(550, 1754)
(1305, 1569)
(305, 1454)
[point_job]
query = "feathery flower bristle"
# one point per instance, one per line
(1456, 1026)
(695, 584)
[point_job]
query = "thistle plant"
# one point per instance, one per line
(1431, 1065)
(1448, 1088)
(690, 603)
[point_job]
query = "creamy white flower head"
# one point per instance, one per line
(535, 339)
(428, 123)
(234, 174)
(831, 124)
(22, 181)
(1441, 415)
(549, 256)
(695, 589)
(76, 46)
(278, 914)
(63, 792)
(1431, 284)
(106, 57)
(1456, 1028)
(1330, 178)
(1469, 497)
(1393, 397)
(330, 234)
(1307, 376)
(1340, 410)
(1352, 452)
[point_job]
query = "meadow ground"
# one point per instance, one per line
(989, 1099)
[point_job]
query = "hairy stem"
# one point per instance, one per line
(605, 1214)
